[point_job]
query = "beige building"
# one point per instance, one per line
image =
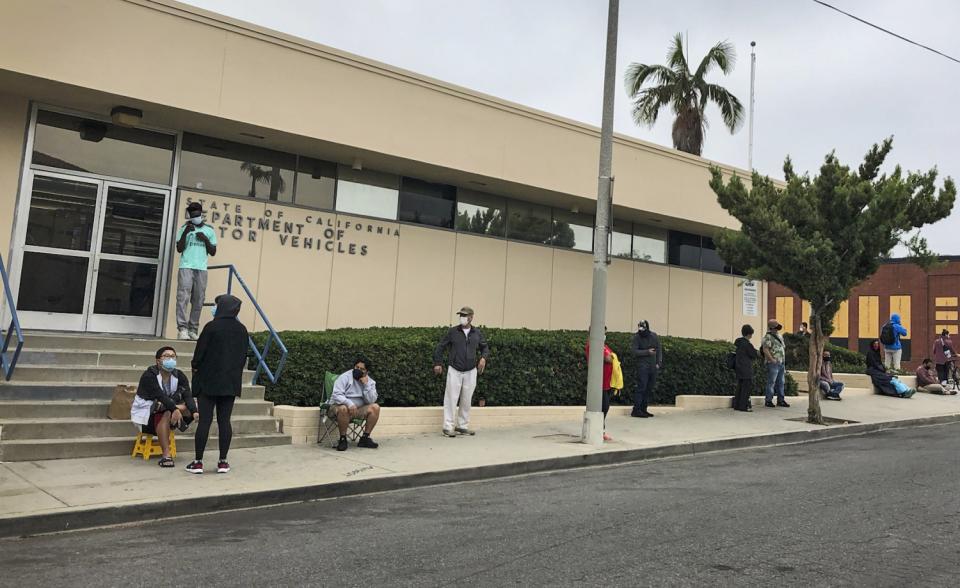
(346, 192)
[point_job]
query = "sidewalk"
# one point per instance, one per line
(57, 495)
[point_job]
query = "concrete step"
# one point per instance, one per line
(141, 359)
(97, 409)
(38, 340)
(41, 449)
(81, 373)
(43, 391)
(69, 428)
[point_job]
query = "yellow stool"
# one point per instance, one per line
(143, 445)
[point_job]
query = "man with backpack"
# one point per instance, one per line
(890, 338)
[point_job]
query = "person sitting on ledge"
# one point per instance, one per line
(883, 382)
(355, 396)
(163, 401)
(831, 388)
(927, 379)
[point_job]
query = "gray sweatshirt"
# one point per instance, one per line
(351, 392)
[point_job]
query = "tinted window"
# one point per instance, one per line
(684, 249)
(571, 230)
(481, 213)
(235, 168)
(78, 144)
(649, 244)
(367, 192)
(427, 204)
(316, 183)
(620, 240)
(529, 222)
(710, 260)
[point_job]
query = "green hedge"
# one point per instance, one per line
(525, 367)
(844, 361)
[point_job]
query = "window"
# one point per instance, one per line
(529, 222)
(72, 143)
(620, 239)
(710, 260)
(235, 168)
(571, 230)
(684, 249)
(481, 213)
(427, 204)
(367, 193)
(649, 244)
(316, 183)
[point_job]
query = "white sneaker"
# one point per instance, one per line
(192, 335)
(183, 335)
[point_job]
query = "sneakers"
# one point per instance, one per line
(769, 404)
(464, 431)
(223, 467)
(166, 462)
(366, 441)
(192, 335)
(342, 443)
(183, 334)
(449, 433)
(607, 437)
(195, 467)
(783, 404)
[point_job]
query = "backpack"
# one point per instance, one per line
(731, 360)
(887, 336)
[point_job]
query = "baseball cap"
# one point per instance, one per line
(195, 207)
(465, 311)
(774, 324)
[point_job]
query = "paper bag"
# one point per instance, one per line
(121, 401)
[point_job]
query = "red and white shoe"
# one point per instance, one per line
(195, 467)
(223, 467)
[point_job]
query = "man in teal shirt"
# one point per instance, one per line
(196, 241)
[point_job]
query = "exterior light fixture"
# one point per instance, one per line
(126, 116)
(357, 164)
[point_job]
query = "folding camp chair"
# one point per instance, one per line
(327, 424)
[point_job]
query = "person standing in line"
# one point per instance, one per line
(218, 363)
(196, 241)
(804, 329)
(943, 356)
(649, 354)
(774, 354)
(606, 380)
(890, 337)
(464, 342)
(746, 355)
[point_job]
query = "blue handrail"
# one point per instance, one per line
(260, 354)
(7, 365)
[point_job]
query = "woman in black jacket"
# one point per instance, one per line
(218, 364)
(878, 372)
(746, 356)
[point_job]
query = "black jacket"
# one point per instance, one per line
(463, 350)
(149, 389)
(642, 343)
(878, 373)
(221, 353)
(747, 354)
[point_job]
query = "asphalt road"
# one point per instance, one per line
(877, 510)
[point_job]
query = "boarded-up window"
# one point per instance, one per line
(901, 305)
(841, 322)
(947, 301)
(869, 323)
(785, 312)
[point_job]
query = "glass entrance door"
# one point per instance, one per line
(92, 255)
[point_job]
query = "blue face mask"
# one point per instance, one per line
(169, 364)
(213, 310)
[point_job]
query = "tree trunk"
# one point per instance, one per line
(816, 346)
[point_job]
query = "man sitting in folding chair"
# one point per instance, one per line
(355, 397)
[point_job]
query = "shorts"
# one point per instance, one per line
(151, 426)
(362, 411)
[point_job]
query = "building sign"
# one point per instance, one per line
(751, 298)
(295, 228)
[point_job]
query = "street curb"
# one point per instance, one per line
(139, 513)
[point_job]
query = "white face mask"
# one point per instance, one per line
(197, 220)
(464, 321)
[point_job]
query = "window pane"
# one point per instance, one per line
(78, 144)
(367, 193)
(316, 183)
(649, 244)
(481, 213)
(620, 240)
(125, 288)
(133, 222)
(235, 168)
(52, 283)
(426, 203)
(61, 213)
(529, 222)
(710, 260)
(684, 249)
(574, 231)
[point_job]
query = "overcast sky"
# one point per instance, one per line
(824, 81)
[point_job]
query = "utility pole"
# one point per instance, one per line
(753, 76)
(593, 417)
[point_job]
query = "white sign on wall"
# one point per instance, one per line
(750, 298)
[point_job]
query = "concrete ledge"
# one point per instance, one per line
(133, 513)
(850, 380)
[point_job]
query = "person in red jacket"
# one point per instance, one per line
(607, 374)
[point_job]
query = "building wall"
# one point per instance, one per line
(313, 270)
(14, 113)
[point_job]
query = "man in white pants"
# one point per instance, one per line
(463, 341)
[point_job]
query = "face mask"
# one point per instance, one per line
(197, 220)
(169, 363)
(464, 321)
(213, 310)
(357, 373)
(826, 359)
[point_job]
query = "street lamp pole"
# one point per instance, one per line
(753, 75)
(593, 417)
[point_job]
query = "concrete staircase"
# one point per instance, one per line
(56, 405)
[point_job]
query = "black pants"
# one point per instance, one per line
(646, 380)
(742, 399)
(224, 407)
(606, 404)
(943, 372)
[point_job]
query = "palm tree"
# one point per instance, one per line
(686, 93)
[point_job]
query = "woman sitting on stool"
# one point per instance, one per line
(162, 402)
